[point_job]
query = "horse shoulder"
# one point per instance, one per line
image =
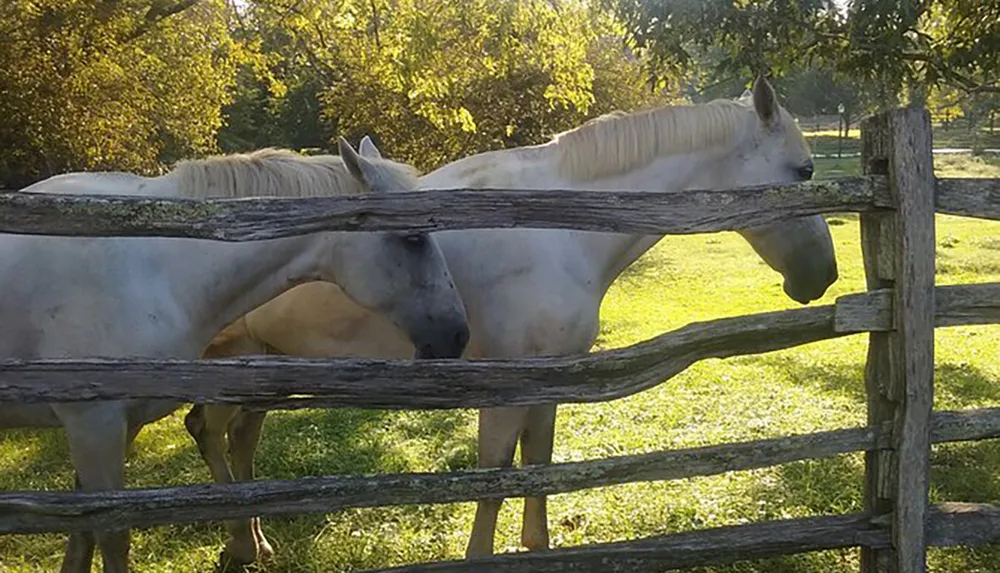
(533, 304)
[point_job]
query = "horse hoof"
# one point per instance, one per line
(264, 550)
(243, 552)
(229, 565)
(534, 543)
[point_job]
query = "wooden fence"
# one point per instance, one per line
(897, 197)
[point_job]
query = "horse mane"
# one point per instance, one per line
(618, 142)
(272, 172)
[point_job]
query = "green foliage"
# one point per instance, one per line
(891, 43)
(91, 85)
(133, 84)
(431, 80)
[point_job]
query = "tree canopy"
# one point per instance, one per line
(919, 43)
(93, 84)
(432, 80)
(135, 84)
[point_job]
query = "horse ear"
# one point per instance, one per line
(360, 168)
(367, 148)
(747, 94)
(351, 158)
(765, 102)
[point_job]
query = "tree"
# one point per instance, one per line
(890, 43)
(433, 80)
(94, 85)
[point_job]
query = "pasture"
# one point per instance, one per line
(683, 279)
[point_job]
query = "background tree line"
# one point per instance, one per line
(137, 84)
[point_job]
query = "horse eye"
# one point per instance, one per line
(415, 240)
(805, 172)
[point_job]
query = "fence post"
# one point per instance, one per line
(898, 251)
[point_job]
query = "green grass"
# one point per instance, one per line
(683, 279)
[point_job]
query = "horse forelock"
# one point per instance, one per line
(274, 172)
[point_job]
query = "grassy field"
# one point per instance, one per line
(683, 279)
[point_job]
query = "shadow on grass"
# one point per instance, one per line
(45, 467)
(330, 442)
(840, 379)
(964, 471)
(295, 444)
(963, 385)
(811, 487)
(959, 472)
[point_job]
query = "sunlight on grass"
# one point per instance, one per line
(683, 279)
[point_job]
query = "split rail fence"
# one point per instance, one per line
(897, 197)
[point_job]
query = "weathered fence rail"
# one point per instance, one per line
(948, 524)
(897, 198)
(270, 218)
(613, 211)
(290, 383)
(36, 512)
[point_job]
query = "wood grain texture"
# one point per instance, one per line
(948, 524)
(955, 305)
(911, 181)
(435, 210)
(969, 524)
(36, 512)
(274, 382)
(627, 211)
(899, 255)
(290, 383)
(709, 547)
(878, 252)
(969, 197)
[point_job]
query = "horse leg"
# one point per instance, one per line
(498, 431)
(244, 437)
(536, 448)
(97, 436)
(207, 424)
(80, 548)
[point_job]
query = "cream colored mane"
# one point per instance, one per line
(272, 172)
(618, 142)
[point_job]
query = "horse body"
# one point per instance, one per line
(168, 298)
(537, 292)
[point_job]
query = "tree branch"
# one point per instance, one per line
(157, 13)
(375, 23)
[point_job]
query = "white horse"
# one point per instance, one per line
(168, 298)
(537, 292)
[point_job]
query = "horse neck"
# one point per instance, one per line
(612, 253)
(235, 278)
(606, 254)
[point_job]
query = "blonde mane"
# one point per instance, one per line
(618, 142)
(270, 173)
